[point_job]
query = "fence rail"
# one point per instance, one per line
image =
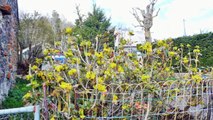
(22, 113)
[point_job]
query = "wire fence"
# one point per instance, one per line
(176, 101)
(168, 100)
(23, 113)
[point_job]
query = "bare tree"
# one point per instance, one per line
(80, 19)
(146, 21)
(56, 26)
(34, 29)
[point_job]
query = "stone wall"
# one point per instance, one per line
(8, 47)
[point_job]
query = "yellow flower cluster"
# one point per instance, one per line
(45, 52)
(197, 78)
(197, 47)
(171, 53)
(120, 69)
(100, 80)
(147, 47)
(100, 62)
(123, 42)
(145, 78)
(185, 60)
(106, 48)
(72, 72)
(90, 75)
(160, 43)
(40, 73)
(175, 48)
(107, 72)
(125, 106)
(167, 69)
(99, 55)
(88, 54)
(27, 95)
(88, 43)
(68, 53)
(194, 69)
(85, 43)
(58, 78)
(112, 65)
(59, 68)
(75, 60)
(158, 51)
(196, 51)
(131, 33)
(100, 87)
(129, 54)
(68, 30)
(49, 76)
(29, 77)
(188, 46)
(135, 62)
(38, 61)
(81, 113)
(114, 99)
(65, 86)
(34, 67)
(34, 84)
(58, 43)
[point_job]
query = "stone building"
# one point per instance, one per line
(8, 45)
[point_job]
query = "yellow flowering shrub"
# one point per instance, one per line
(91, 75)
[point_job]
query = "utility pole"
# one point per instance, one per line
(184, 28)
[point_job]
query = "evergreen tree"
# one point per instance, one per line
(95, 25)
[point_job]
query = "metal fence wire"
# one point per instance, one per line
(23, 113)
(168, 100)
(178, 101)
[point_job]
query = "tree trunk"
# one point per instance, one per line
(30, 51)
(20, 52)
(20, 55)
(147, 35)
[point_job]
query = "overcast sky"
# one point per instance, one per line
(198, 14)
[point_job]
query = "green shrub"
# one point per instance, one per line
(204, 41)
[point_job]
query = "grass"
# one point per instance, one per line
(14, 98)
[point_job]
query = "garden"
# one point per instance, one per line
(76, 72)
(115, 84)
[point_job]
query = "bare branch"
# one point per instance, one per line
(156, 13)
(152, 4)
(135, 14)
(142, 12)
(80, 16)
(137, 25)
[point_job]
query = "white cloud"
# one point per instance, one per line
(195, 13)
(169, 23)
